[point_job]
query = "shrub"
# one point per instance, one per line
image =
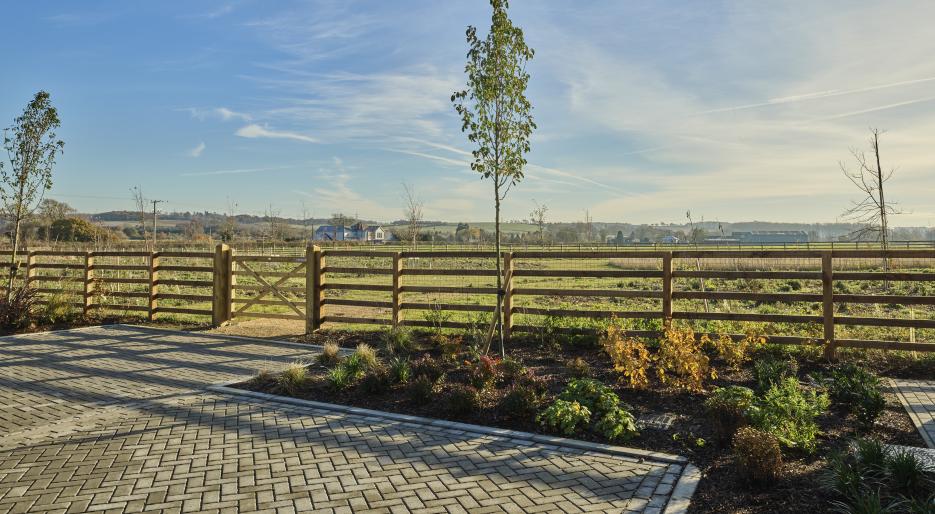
(578, 367)
(437, 318)
(427, 367)
(858, 390)
(330, 354)
(463, 400)
(475, 336)
(727, 407)
(18, 312)
(597, 397)
(366, 356)
(340, 377)
(57, 309)
(397, 340)
(565, 417)
(757, 455)
(400, 370)
(736, 353)
(629, 355)
(770, 371)
(483, 372)
(377, 380)
(616, 424)
(521, 401)
(421, 388)
(907, 474)
(789, 413)
(681, 360)
(511, 369)
(293, 378)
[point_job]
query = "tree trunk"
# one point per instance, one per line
(499, 313)
(13, 264)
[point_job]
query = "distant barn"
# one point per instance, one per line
(761, 237)
(355, 232)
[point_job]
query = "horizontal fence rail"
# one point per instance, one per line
(823, 295)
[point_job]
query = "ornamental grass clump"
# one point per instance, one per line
(757, 455)
(330, 354)
(293, 378)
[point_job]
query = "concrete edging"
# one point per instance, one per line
(912, 414)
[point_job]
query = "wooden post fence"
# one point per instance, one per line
(667, 288)
(827, 302)
(88, 283)
(314, 290)
(223, 285)
(507, 295)
(153, 285)
(397, 288)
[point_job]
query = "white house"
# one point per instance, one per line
(356, 232)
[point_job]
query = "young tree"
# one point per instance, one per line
(872, 211)
(537, 216)
(31, 146)
(413, 214)
(496, 115)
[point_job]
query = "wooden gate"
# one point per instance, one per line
(268, 287)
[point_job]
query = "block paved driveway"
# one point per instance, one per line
(918, 397)
(118, 419)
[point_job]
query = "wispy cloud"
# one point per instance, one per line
(236, 171)
(197, 151)
(219, 113)
(256, 131)
(876, 109)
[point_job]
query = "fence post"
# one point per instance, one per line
(397, 288)
(313, 291)
(220, 311)
(88, 279)
(508, 295)
(30, 267)
(153, 284)
(827, 302)
(667, 288)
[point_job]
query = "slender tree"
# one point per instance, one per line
(31, 146)
(537, 216)
(873, 210)
(496, 115)
(412, 210)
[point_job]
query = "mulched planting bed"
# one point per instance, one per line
(691, 434)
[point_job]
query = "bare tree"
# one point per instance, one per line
(229, 227)
(141, 204)
(588, 225)
(872, 211)
(694, 234)
(412, 211)
(537, 216)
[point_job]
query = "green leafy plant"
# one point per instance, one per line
(788, 412)
(400, 371)
(770, 371)
(565, 417)
(597, 397)
(437, 318)
(463, 400)
(511, 369)
(757, 455)
(727, 408)
(859, 390)
(330, 354)
(616, 425)
(293, 378)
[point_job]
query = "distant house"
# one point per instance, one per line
(669, 240)
(761, 237)
(355, 232)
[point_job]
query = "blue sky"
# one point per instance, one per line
(735, 110)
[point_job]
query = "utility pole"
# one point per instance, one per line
(155, 202)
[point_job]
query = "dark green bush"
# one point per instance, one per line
(578, 367)
(727, 407)
(511, 369)
(520, 402)
(376, 380)
(859, 390)
(770, 371)
(788, 411)
(463, 400)
(421, 389)
(427, 367)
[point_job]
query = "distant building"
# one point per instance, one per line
(355, 232)
(669, 240)
(761, 237)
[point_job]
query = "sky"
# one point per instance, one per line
(735, 110)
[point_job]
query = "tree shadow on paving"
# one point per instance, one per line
(496, 460)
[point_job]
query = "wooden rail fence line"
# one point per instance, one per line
(152, 272)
